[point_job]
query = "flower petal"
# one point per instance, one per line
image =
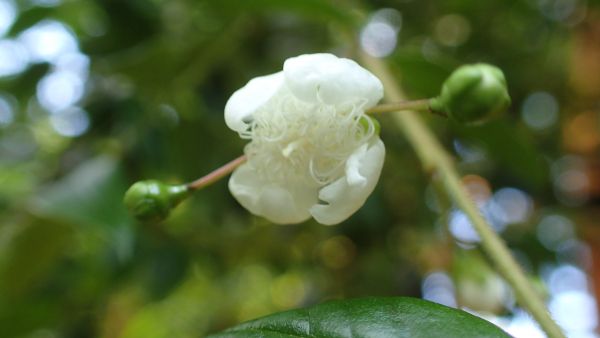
(277, 203)
(347, 194)
(246, 100)
(332, 80)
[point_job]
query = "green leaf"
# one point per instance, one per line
(369, 317)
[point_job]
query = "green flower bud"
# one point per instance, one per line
(473, 93)
(152, 201)
(364, 123)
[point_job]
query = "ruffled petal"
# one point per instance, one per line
(278, 204)
(326, 78)
(347, 194)
(246, 100)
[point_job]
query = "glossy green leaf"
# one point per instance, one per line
(369, 317)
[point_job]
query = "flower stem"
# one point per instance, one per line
(216, 175)
(420, 105)
(437, 161)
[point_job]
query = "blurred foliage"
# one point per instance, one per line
(74, 264)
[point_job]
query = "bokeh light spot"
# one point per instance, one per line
(478, 188)
(288, 290)
(574, 311)
(48, 40)
(379, 37)
(566, 11)
(469, 153)
(337, 252)
(76, 63)
(540, 111)
(71, 122)
(570, 179)
(567, 278)
(461, 227)
(580, 134)
(8, 14)
(7, 110)
(553, 230)
(452, 30)
(59, 90)
(438, 287)
(522, 325)
(510, 206)
(13, 58)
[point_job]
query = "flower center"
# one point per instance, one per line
(305, 142)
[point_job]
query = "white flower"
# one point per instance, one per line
(313, 152)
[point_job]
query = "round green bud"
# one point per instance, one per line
(152, 201)
(473, 93)
(365, 120)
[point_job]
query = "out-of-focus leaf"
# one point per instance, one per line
(31, 254)
(184, 313)
(90, 194)
(322, 9)
(16, 182)
(69, 12)
(24, 84)
(369, 317)
(420, 76)
(510, 148)
(29, 18)
(127, 24)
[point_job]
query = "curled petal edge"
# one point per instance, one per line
(247, 100)
(347, 194)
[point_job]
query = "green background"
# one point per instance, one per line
(73, 263)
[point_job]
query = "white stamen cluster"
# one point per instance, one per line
(306, 142)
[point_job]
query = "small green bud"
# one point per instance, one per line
(152, 201)
(473, 93)
(364, 123)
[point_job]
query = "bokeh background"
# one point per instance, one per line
(97, 94)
